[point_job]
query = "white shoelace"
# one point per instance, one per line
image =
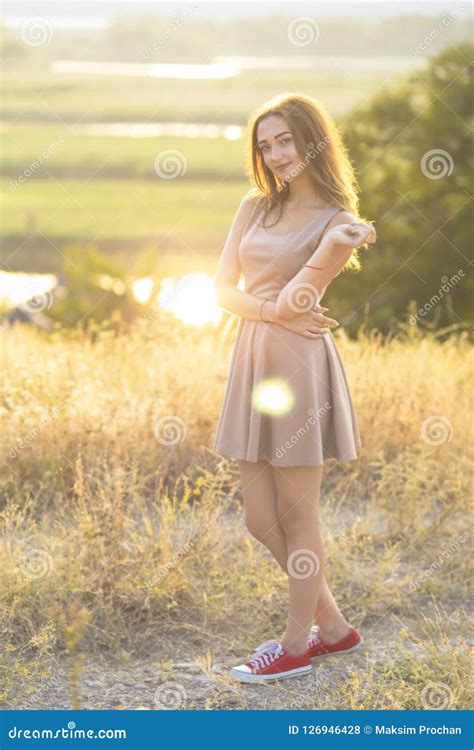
(264, 647)
(265, 658)
(314, 638)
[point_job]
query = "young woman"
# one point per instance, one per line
(287, 405)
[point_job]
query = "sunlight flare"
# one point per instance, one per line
(273, 396)
(142, 289)
(18, 288)
(192, 299)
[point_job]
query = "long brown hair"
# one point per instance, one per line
(321, 151)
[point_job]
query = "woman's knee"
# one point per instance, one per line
(298, 516)
(298, 491)
(257, 526)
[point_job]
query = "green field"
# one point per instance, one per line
(73, 198)
(61, 184)
(187, 218)
(68, 152)
(121, 209)
(40, 94)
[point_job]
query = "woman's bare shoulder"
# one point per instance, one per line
(342, 217)
(252, 197)
(248, 204)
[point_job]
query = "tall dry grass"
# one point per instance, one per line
(119, 535)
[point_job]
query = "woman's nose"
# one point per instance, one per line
(276, 155)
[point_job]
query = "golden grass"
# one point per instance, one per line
(113, 540)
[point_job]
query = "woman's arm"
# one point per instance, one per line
(247, 305)
(229, 270)
(313, 324)
(344, 233)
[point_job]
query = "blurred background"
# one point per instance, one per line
(124, 158)
(123, 548)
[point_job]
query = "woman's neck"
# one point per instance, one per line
(303, 194)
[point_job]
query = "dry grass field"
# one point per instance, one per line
(128, 576)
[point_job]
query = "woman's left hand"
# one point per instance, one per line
(351, 235)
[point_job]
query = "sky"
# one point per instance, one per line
(227, 9)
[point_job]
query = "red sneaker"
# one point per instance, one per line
(276, 663)
(351, 642)
(264, 646)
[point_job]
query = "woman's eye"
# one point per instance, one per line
(283, 141)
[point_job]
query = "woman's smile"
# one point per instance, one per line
(283, 167)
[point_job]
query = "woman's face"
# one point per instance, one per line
(276, 143)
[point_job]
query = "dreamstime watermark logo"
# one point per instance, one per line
(36, 164)
(436, 164)
(436, 32)
(28, 557)
(170, 696)
(27, 439)
(436, 564)
(436, 430)
(69, 732)
(170, 30)
(436, 696)
(302, 297)
(302, 31)
(170, 430)
(170, 164)
(36, 563)
(303, 563)
(36, 31)
(303, 430)
(313, 149)
(446, 286)
(36, 297)
(173, 562)
(37, 696)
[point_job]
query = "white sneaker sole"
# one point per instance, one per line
(249, 677)
(336, 653)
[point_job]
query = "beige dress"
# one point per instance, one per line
(287, 398)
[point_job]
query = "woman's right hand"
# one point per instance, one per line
(313, 323)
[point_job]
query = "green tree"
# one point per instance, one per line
(94, 288)
(412, 148)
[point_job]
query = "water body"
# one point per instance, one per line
(229, 67)
(154, 130)
(187, 71)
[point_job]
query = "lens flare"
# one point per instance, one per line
(273, 396)
(192, 299)
(142, 289)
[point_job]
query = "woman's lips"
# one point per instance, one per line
(283, 166)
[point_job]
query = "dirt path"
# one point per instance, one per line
(191, 684)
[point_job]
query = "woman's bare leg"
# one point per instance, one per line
(298, 489)
(260, 503)
(332, 624)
